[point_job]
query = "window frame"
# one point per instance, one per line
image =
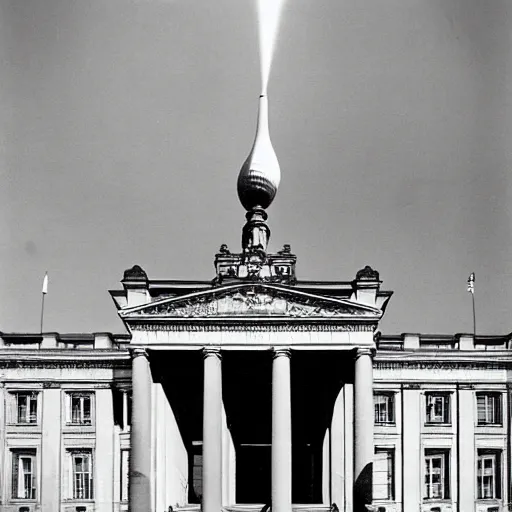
(73, 493)
(391, 468)
(17, 454)
(496, 399)
(495, 455)
(429, 455)
(82, 395)
(13, 406)
(389, 412)
(445, 397)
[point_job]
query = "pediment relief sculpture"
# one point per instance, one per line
(254, 300)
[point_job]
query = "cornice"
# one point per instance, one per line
(254, 325)
(451, 358)
(97, 358)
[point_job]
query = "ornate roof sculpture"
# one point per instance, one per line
(257, 185)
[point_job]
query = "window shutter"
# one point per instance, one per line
(91, 473)
(380, 475)
(87, 408)
(14, 482)
(481, 408)
(497, 474)
(21, 477)
(69, 473)
(498, 411)
(33, 408)
(12, 408)
(68, 407)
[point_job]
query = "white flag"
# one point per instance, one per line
(471, 283)
(45, 283)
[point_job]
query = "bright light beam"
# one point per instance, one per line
(269, 14)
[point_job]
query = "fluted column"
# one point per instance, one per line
(140, 436)
(281, 432)
(212, 431)
(363, 429)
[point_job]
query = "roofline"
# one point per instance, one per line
(65, 336)
(443, 337)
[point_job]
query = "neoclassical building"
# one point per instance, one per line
(236, 394)
(251, 391)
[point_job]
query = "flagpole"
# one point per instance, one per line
(42, 311)
(44, 291)
(471, 289)
(474, 316)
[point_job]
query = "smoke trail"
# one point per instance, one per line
(269, 13)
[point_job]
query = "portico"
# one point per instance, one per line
(266, 384)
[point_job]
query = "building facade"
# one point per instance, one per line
(251, 391)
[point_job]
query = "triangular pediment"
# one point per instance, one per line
(251, 301)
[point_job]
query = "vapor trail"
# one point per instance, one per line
(269, 13)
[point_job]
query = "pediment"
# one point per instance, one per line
(251, 301)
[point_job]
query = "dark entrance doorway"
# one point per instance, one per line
(253, 474)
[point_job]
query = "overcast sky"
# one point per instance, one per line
(124, 123)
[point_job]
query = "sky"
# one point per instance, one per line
(124, 123)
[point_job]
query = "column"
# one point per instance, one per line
(140, 436)
(363, 429)
(212, 431)
(281, 432)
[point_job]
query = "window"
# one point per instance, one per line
(79, 408)
(81, 468)
(26, 407)
(384, 408)
(383, 474)
(438, 407)
(23, 474)
(437, 475)
(125, 465)
(488, 474)
(488, 408)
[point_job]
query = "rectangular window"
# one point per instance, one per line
(488, 408)
(437, 474)
(26, 407)
(488, 474)
(384, 404)
(125, 473)
(438, 407)
(79, 408)
(23, 474)
(383, 474)
(82, 471)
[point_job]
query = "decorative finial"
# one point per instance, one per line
(367, 274)
(136, 273)
(257, 185)
(260, 174)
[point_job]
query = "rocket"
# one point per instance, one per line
(260, 174)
